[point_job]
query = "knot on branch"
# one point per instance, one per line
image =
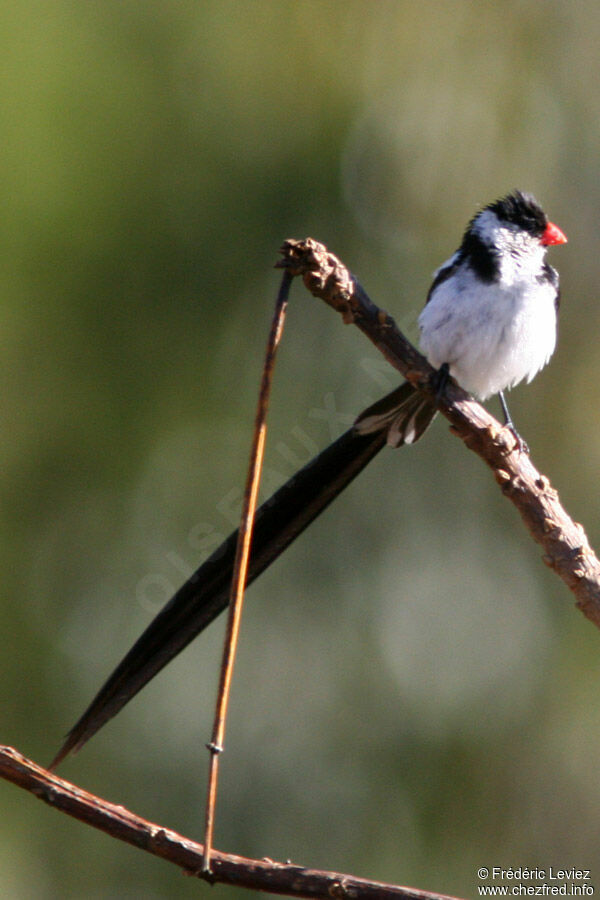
(323, 274)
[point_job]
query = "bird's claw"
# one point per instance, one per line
(521, 445)
(439, 380)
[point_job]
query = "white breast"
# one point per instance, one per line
(491, 335)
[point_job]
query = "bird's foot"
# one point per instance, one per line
(522, 446)
(439, 380)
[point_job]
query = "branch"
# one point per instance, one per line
(566, 547)
(566, 550)
(257, 874)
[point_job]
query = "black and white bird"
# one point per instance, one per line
(489, 321)
(490, 318)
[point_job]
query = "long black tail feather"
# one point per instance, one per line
(205, 594)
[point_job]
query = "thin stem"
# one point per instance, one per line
(240, 569)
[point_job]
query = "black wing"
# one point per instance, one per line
(444, 272)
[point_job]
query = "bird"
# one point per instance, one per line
(490, 318)
(489, 321)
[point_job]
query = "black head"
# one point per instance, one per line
(522, 210)
(520, 214)
(515, 227)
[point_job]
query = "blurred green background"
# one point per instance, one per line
(415, 695)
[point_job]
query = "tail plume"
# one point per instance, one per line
(405, 414)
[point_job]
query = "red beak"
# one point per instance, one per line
(553, 235)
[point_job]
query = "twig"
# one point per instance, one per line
(566, 550)
(240, 566)
(566, 547)
(262, 875)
